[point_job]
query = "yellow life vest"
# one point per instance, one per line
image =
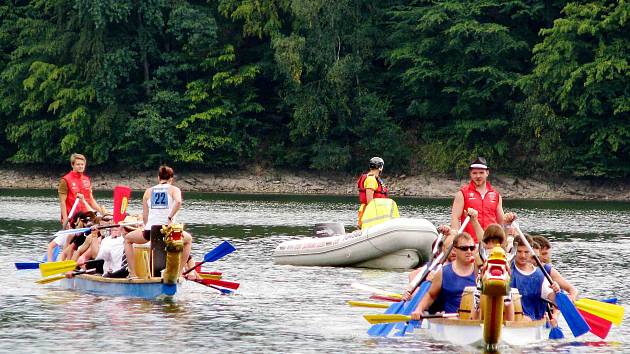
(378, 211)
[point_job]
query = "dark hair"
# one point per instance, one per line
(494, 232)
(542, 241)
(536, 245)
(463, 235)
(165, 173)
(519, 242)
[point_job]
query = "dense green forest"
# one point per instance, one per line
(534, 86)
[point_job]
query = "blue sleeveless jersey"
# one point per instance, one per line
(529, 288)
(452, 288)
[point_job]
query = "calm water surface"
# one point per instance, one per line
(277, 308)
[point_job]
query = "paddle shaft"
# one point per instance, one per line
(531, 251)
(71, 213)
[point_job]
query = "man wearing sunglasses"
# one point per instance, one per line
(449, 282)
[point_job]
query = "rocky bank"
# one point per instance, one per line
(285, 182)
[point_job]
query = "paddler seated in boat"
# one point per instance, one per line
(531, 283)
(493, 236)
(67, 242)
(445, 293)
(543, 246)
(371, 185)
(89, 249)
(160, 205)
(446, 244)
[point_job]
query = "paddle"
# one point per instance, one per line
(59, 277)
(556, 332)
(218, 252)
(221, 283)
(424, 288)
(393, 318)
(52, 268)
(367, 304)
(599, 326)
(26, 265)
(576, 322)
(86, 229)
(71, 213)
(386, 298)
(611, 312)
(377, 291)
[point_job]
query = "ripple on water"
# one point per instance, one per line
(277, 308)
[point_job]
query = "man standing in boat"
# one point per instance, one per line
(160, 205)
(75, 190)
(370, 185)
(479, 195)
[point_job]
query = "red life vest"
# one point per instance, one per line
(487, 206)
(77, 183)
(380, 192)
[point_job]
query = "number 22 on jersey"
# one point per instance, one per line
(159, 199)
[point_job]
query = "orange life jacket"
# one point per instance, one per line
(380, 192)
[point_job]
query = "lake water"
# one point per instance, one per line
(277, 308)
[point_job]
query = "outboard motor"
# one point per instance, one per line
(328, 229)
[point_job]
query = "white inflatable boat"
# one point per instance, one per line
(399, 243)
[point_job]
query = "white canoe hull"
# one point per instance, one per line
(470, 333)
(398, 243)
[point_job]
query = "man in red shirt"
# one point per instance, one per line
(479, 195)
(76, 185)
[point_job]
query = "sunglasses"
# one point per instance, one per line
(466, 248)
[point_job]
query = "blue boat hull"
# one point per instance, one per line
(140, 288)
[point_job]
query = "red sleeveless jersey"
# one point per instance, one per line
(486, 206)
(77, 183)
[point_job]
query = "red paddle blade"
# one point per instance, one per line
(121, 201)
(599, 326)
(221, 283)
(385, 298)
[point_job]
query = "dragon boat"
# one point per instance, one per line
(158, 272)
(491, 330)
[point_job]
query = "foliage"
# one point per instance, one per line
(318, 84)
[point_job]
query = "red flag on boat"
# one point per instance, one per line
(121, 201)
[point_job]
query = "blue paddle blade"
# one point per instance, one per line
(222, 290)
(26, 265)
(574, 319)
(612, 300)
(387, 327)
(375, 330)
(218, 252)
(556, 333)
(413, 303)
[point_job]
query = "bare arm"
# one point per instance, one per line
(145, 207)
(431, 295)
(457, 210)
(63, 195)
(474, 221)
(92, 202)
(564, 284)
(369, 195)
(176, 194)
(500, 213)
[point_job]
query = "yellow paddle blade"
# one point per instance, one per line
(367, 304)
(385, 318)
(52, 268)
(610, 312)
(50, 279)
(210, 276)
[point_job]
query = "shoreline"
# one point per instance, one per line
(309, 183)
